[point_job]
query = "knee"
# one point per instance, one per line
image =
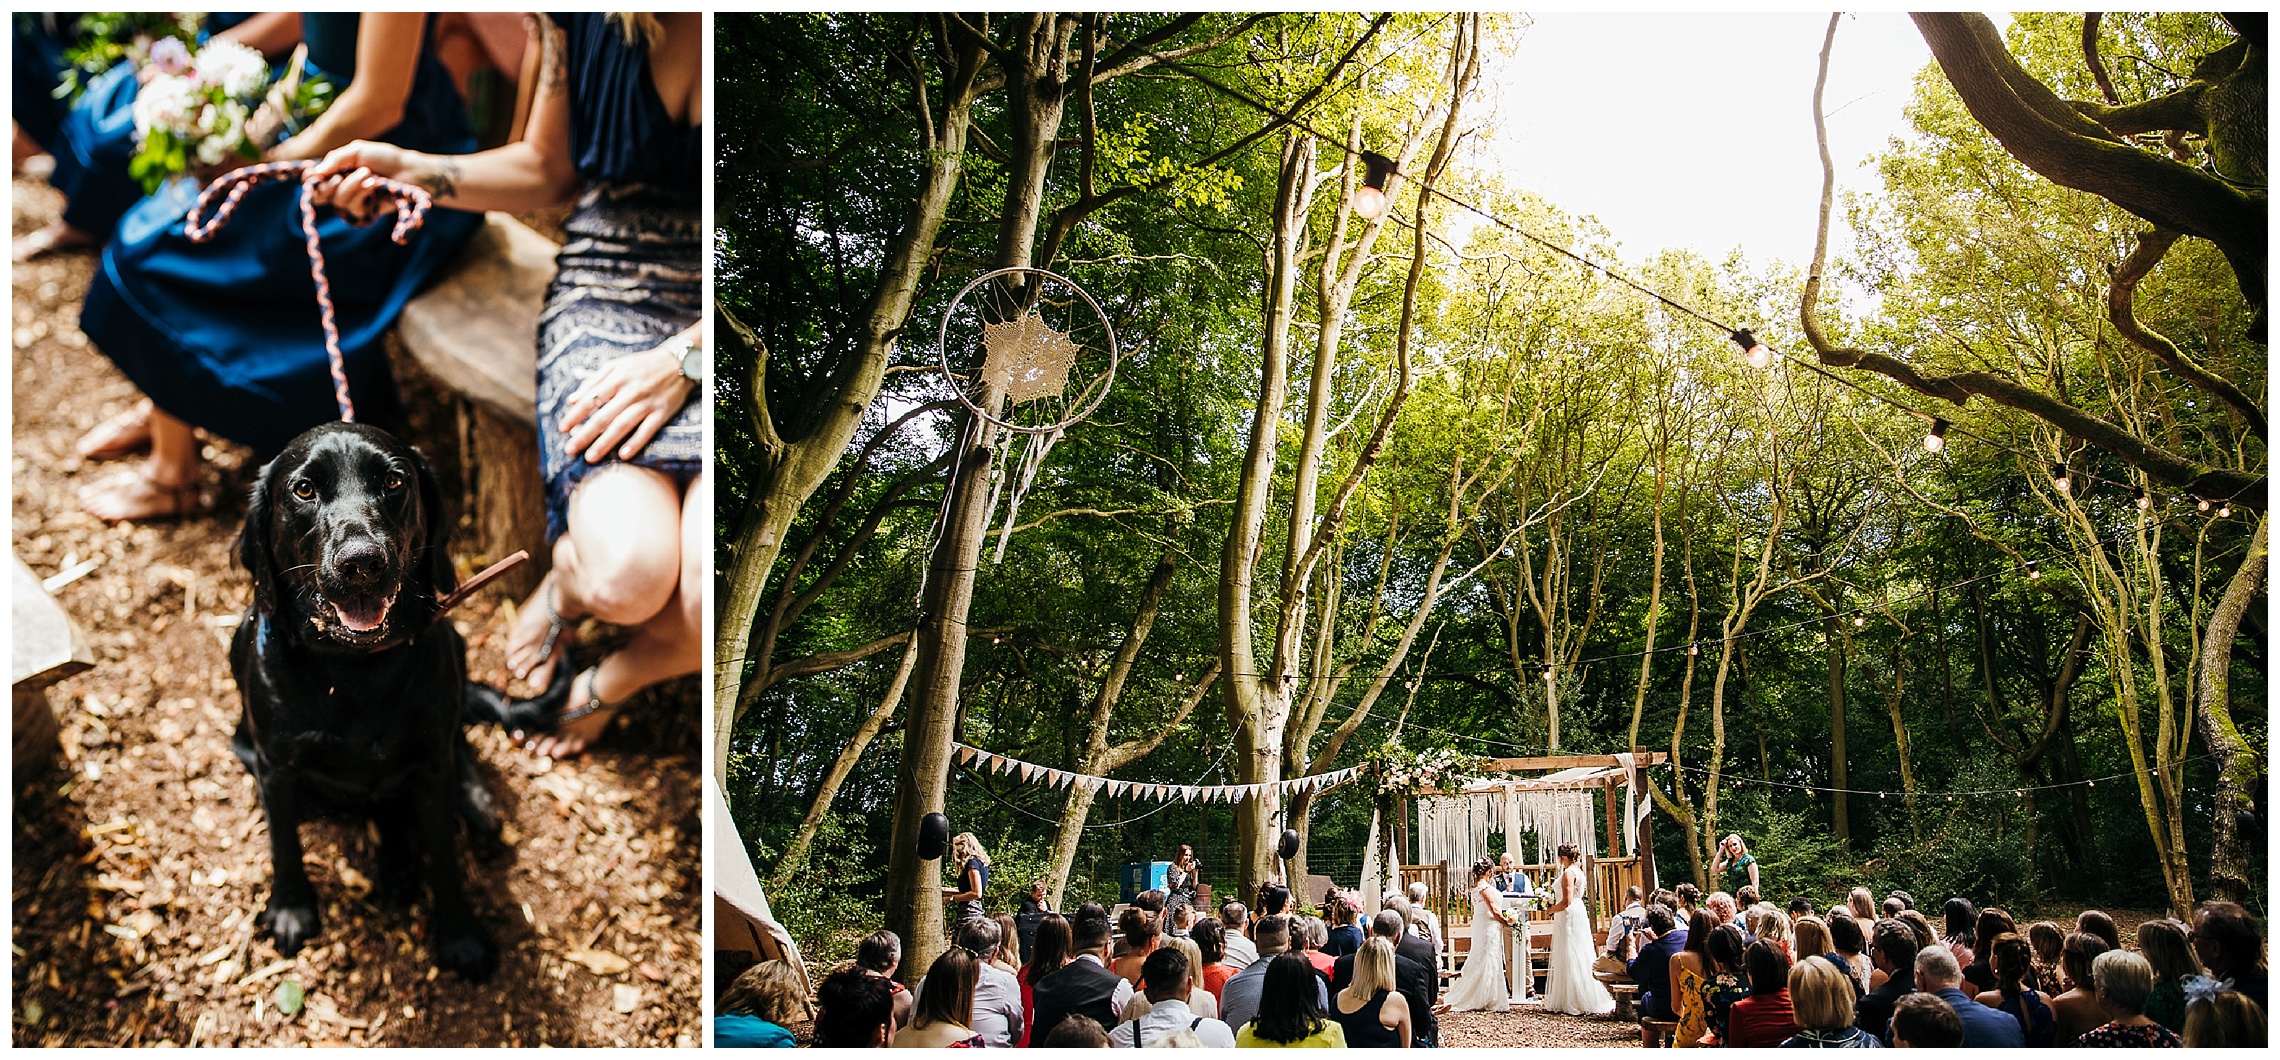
(629, 588)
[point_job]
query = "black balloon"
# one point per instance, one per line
(1288, 848)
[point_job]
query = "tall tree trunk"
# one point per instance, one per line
(1893, 702)
(2240, 773)
(791, 470)
(1838, 645)
(1035, 59)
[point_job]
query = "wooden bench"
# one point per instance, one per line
(44, 648)
(1625, 992)
(475, 332)
(1654, 1033)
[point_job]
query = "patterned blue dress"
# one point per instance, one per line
(630, 273)
(224, 334)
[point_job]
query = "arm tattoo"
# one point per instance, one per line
(444, 182)
(553, 71)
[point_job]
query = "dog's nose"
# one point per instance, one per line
(360, 561)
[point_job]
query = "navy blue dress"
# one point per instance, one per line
(224, 335)
(93, 137)
(630, 273)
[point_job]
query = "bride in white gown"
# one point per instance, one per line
(1569, 985)
(1481, 985)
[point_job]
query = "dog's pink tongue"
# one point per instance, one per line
(362, 617)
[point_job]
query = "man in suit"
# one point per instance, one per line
(1937, 974)
(1239, 999)
(1651, 968)
(1893, 951)
(1413, 974)
(1084, 986)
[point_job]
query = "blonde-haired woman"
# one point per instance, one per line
(1735, 861)
(617, 127)
(973, 877)
(1371, 1009)
(1821, 1002)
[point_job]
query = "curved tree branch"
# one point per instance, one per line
(2070, 149)
(2161, 465)
(2119, 295)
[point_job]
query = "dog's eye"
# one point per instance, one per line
(395, 480)
(305, 489)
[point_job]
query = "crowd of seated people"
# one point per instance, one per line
(1729, 970)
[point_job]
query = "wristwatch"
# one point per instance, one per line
(695, 366)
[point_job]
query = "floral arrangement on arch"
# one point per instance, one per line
(1400, 770)
(199, 110)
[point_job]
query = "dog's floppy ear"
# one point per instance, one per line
(435, 552)
(253, 543)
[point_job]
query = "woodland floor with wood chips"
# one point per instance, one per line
(141, 861)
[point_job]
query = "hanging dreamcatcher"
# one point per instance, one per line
(1028, 352)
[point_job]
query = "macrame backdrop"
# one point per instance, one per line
(1456, 827)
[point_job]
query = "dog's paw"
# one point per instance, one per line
(290, 925)
(469, 952)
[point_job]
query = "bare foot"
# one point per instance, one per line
(132, 495)
(122, 435)
(570, 739)
(539, 636)
(56, 236)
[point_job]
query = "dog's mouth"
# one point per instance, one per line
(363, 613)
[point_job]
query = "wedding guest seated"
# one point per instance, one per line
(1418, 893)
(1308, 934)
(2049, 941)
(2124, 979)
(1052, 946)
(1414, 974)
(1274, 899)
(1183, 921)
(1084, 986)
(1937, 973)
(1236, 920)
(2077, 1009)
(1009, 950)
(1240, 1000)
(1689, 899)
(1371, 1009)
(2231, 945)
(1772, 925)
(2168, 947)
(1169, 986)
(2012, 961)
(1960, 917)
(1691, 975)
(1821, 1001)
(2096, 922)
(1077, 1034)
(1862, 902)
(1845, 934)
(1893, 949)
(1345, 930)
(1623, 927)
(757, 1007)
(1721, 905)
(1200, 1002)
(1764, 1018)
(1287, 1008)
(1921, 1021)
(1140, 935)
(2224, 1019)
(1992, 924)
(854, 1010)
(1812, 939)
(880, 955)
(1907, 901)
(1729, 979)
(1211, 949)
(1651, 968)
(1747, 895)
(1799, 908)
(1893, 905)
(1922, 926)
(996, 1012)
(944, 1015)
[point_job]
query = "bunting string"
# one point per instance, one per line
(980, 761)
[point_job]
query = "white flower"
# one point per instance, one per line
(212, 150)
(238, 70)
(166, 103)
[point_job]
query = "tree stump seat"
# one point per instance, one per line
(475, 333)
(1654, 1033)
(1626, 994)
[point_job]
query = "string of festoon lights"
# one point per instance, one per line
(1858, 617)
(1741, 780)
(1370, 203)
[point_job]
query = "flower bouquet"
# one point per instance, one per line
(198, 111)
(1514, 908)
(107, 38)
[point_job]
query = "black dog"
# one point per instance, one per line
(354, 690)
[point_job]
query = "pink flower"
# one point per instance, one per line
(170, 55)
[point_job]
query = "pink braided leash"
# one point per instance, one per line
(411, 200)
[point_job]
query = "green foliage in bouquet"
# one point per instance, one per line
(108, 38)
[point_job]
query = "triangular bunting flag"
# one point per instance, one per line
(965, 755)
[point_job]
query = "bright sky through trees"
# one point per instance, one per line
(1696, 130)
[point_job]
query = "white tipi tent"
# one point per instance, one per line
(741, 923)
